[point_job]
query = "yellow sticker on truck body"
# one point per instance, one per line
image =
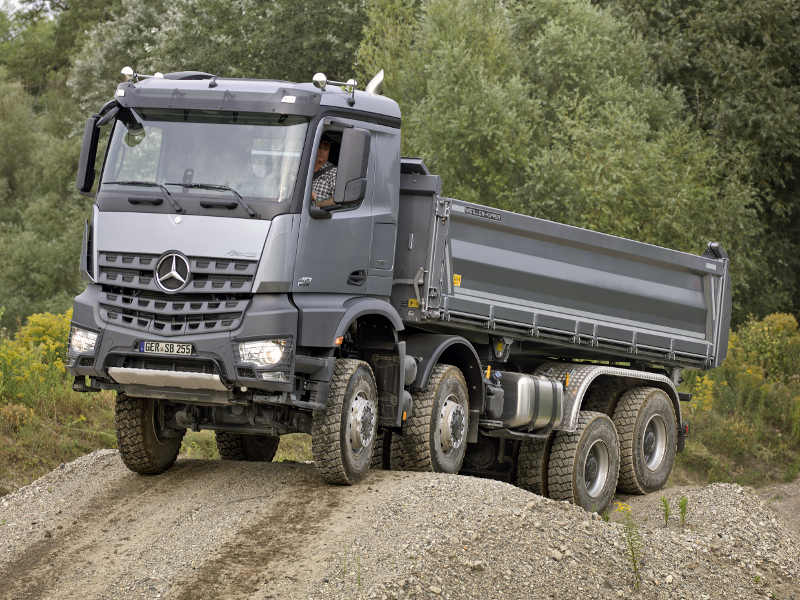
(413, 303)
(456, 280)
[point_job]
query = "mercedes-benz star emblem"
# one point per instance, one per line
(172, 272)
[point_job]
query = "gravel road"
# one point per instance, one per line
(91, 529)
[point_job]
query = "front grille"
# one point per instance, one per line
(214, 299)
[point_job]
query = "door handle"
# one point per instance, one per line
(357, 277)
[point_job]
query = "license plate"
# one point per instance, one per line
(165, 348)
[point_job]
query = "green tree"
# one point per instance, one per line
(738, 64)
(554, 109)
(282, 39)
(40, 225)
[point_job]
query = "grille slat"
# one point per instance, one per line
(214, 300)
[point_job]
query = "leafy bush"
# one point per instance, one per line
(746, 413)
(42, 421)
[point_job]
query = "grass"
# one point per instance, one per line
(683, 509)
(293, 447)
(665, 511)
(38, 443)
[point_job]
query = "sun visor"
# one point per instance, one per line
(282, 100)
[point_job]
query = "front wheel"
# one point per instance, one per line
(234, 446)
(584, 464)
(145, 444)
(343, 434)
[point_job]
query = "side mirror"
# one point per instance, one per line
(351, 175)
(91, 133)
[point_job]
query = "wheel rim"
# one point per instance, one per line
(595, 468)
(654, 442)
(451, 424)
(360, 423)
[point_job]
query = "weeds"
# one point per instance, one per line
(683, 507)
(746, 412)
(350, 571)
(665, 510)
(633, 543)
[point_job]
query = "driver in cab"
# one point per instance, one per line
(324, 179)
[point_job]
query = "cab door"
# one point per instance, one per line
(333, 255)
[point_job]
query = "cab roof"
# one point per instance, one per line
(193, 89)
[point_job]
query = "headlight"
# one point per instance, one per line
(262, 352)
(81, 341)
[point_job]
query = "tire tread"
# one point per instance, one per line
(414, 452)
(625, 416)
(326, 428)
(129, 417)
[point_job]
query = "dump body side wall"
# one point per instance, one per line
(509, 274)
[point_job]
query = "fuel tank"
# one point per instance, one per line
(531, 402)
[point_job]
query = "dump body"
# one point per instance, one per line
(570, 291)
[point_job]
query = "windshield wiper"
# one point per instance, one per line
(177, 207)
(214, 186)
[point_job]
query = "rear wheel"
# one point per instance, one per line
(532, 465)
(234, 446)
(378, 449)
(145, 444)
(584, 464)
(647, 427)
(436, 433)
(343, 434)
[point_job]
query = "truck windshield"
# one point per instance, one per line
(255, 154)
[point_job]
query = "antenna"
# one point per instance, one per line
(375, 83)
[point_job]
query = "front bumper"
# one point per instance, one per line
(116, 359)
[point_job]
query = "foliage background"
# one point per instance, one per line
(673, 122)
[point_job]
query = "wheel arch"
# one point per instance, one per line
(579, 379)
(372, 311)
(432, 349)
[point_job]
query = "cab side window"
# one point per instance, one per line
(323, 182)
(340, 170)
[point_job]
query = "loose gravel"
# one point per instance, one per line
(92, 529)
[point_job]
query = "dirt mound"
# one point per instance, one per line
(91, 529)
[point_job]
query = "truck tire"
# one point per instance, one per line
(377, 450)
(397, 458)
(647, 427)
(584, 464)
(602, 396)
(343, 433)
(532, 465)
(145, 446)
(436, 433)
(234, 446)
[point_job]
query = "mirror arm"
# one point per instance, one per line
(318, 213)
(108, 116)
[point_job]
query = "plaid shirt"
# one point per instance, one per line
(324, 182)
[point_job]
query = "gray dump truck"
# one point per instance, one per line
(400, 328)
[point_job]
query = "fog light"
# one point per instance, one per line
(263, 352)
(81, 341)
(277, 376)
